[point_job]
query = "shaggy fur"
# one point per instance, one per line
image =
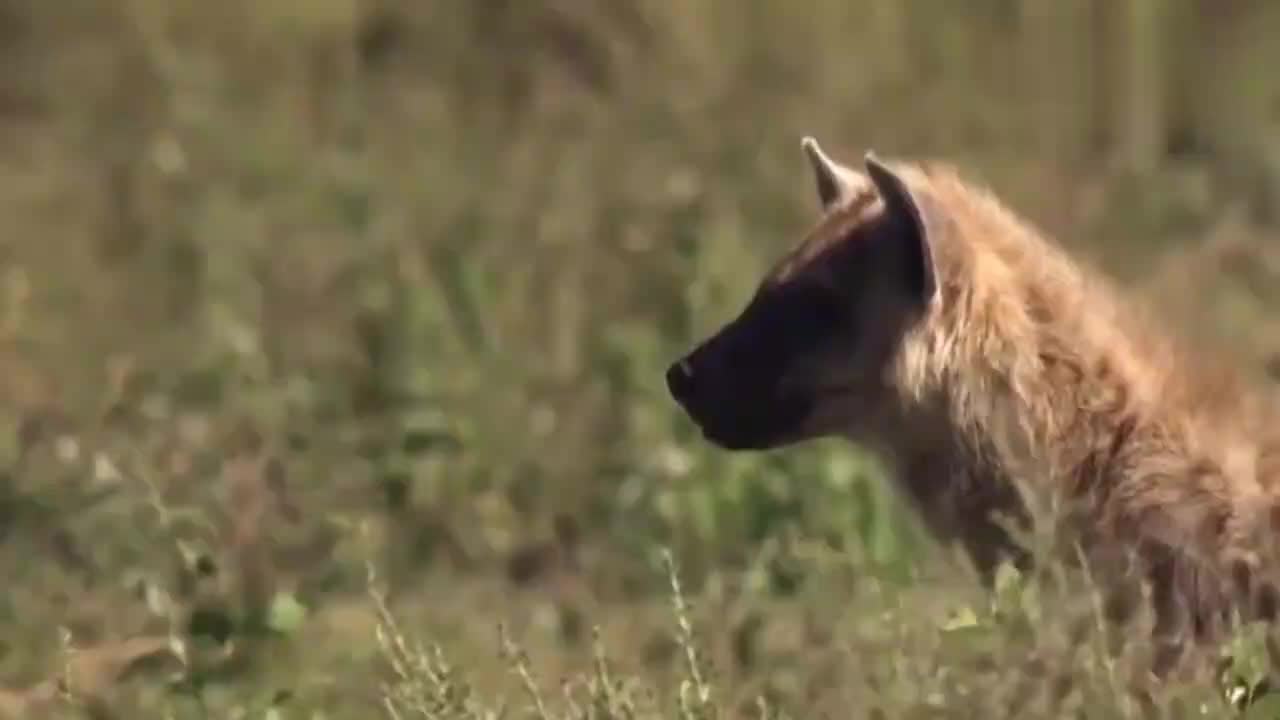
(1044, 374)
(1025, 380)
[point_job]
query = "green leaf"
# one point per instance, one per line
(286, 613)
(963, 617)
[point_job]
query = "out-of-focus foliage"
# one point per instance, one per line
(288, 288)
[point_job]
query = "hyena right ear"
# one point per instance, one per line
(834, 181)
(916, 215)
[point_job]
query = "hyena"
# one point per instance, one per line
(924, 320)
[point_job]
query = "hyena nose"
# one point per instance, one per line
(680, 379)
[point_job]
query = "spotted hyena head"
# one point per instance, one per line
(811, 353)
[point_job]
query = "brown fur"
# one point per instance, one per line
(1028, 381)
(1046, 375)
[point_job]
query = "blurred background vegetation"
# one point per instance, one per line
(293, 287)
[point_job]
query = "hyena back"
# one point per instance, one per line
(923, 319)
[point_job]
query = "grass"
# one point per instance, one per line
(426, 686)
(1008, 658)
(331, 343)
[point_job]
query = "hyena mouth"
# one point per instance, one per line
(762, 424)
(729, 437)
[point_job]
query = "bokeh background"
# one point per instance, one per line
(293, 289)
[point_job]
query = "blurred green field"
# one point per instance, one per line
(331, 324)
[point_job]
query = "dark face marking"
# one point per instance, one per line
(806, 357)
(808, 354)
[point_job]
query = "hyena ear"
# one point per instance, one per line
(834, 181)
(912, 212)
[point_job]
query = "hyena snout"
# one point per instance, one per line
(700, 385)
(692, 380)
(729, 387)
(680, 380)
(722, 373)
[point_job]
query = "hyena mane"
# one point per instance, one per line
(924, 319)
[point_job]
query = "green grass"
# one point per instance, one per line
(331, 346)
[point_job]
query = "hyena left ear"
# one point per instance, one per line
(835, 182)
(911, 213)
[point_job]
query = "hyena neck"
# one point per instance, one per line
(1037, 386)
(1034, 369)
(996, 430)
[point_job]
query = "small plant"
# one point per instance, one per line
(424, 685)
